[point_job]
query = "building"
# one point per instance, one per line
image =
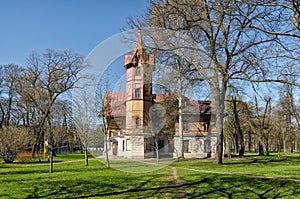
(143, 125)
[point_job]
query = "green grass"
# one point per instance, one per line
(283, 166)
(206, 185)
(72, 179)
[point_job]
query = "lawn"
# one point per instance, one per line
(207, 185)
(287, 166)
(72, 179)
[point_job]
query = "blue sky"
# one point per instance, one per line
(35, 25)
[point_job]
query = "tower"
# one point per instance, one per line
(139, 68)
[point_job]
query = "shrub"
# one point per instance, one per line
(12, 139)
(8, 155)
(24, 156)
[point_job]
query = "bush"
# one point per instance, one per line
(12, 139)
(24, 156)
(8, 155)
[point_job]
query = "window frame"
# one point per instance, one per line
(137, 93)
(137, 71)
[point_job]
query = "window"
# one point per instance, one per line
(186, 146)
(119, 123)
(123, 145)
(161, 144)
(137, 93)
(137, 122)
(205, 125)
(128, 145)
(185, 126)
(137, 71)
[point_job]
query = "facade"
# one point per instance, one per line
(143, 125)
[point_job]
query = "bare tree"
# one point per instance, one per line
(286, 120)
(235, 122)
(286, 11)
(12, 141)
(104, 107)
(236, 45)
(47, 76)
(85, 119)
(8, 95)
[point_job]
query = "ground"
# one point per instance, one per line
(249, 177)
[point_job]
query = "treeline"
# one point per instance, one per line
(35, 104)
(268, 126)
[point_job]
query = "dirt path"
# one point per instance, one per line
(181, 192)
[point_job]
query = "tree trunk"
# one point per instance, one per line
(267, 146)
(51, 160)
(249, 141)
(106, 154)
(180, 128)
(236, 142)
(238, 130)
(220, 104)
(260, 148)
(34, 147)
(157, 152)
(86, 157)
(219, 149)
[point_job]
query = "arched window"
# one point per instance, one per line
(137, 122)
(137, 71)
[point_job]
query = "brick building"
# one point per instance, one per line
(141, 123)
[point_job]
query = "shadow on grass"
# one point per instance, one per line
(112, 190)
(35, 162)
(195, 185)
(75, 180)
(261, 160)
(227, 186)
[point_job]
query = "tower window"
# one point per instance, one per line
(137, 71)
(137, 122)
(137, 93)
(206, 125)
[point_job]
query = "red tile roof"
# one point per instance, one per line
(196, 106)
(115, 104)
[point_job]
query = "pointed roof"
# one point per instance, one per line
(138, 56)
(139, 44)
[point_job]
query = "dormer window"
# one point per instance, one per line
(137, 71)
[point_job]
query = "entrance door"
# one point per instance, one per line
(115, 148)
